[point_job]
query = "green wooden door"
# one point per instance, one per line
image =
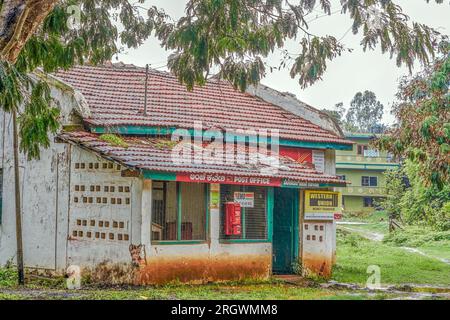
(285, 229)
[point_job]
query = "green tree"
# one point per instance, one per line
(422, 133)
(415, 202)
(337, 113)
(365, 112)
(230, 36)
(395, 189)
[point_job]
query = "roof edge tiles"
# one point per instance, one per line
(116, 94)
(144, 130)
(155, 155)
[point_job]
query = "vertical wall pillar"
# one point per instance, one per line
(319, 233)
(146, 208)
(214, 216)
(333, 260)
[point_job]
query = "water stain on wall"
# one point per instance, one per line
(160, 270)
(318, 264)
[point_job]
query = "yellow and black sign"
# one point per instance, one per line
(322, 204)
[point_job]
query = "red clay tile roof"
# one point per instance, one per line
(155, 154)
(115, 95)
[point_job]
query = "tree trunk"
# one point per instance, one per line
(20, 270)
(19, 20)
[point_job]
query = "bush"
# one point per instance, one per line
(414, 202)
(8, 277)
(416, 237)
(110, 274)
(349, 238)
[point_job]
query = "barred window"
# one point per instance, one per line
(193, 211)
(178, 211)
(164, 211)
(254, 215)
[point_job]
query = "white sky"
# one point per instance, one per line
(346, 75)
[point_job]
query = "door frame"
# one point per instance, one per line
(295, 223)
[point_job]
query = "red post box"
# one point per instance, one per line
(232, 219)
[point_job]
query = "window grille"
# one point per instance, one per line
(178, 211)
(193, 211)
(253, 219)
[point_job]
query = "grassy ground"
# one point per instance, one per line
(355, 254)
(272, 289)
(433, 243)
(374, 222)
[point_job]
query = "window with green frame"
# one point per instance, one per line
(254, 219)
(179, 211)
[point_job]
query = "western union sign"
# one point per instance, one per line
(322, 205)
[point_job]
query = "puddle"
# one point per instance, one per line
(399, 292)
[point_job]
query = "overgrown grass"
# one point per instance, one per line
(355, 254)
(220, 291)
(416, 237)
(8, 277)
(114, 140)
(369, 217)
(376, 221)
(432, 243)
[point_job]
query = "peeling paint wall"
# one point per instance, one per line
(44, 190)
(318, 238)
(203, 268)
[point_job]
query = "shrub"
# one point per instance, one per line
(414, 202)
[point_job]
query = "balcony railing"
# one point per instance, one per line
(362, 191)
(363, 159)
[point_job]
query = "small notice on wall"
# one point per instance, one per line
(318, 159)
(322, 205)
(215, 196)
(245, 199)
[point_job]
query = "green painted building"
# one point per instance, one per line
(363, 167)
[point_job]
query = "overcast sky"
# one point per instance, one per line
(346, 75)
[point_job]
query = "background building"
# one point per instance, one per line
(363, 167)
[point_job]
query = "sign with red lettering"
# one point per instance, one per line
(337, 216)
(297, 154)
(245, 199)
(228, 179)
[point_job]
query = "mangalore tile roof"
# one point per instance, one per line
(115, 95)
(155, 154)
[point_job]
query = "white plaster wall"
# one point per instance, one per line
(44, 201)
(318, 239)
(88, 251)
